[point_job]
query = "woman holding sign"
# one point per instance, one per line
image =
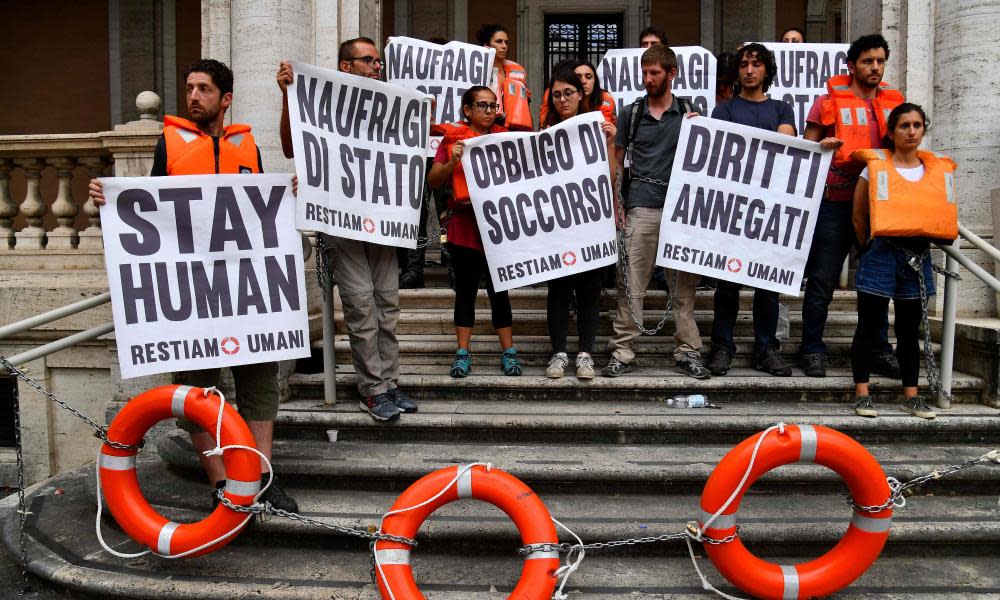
(464, 244)
(566, 98)
(904, 198)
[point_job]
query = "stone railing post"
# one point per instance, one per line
(8, 209)
(32, 237)
(130, 143)
(64, 236)
(92, 238)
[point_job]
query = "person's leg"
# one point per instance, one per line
(687, 336)
(765, 320)
(726, 309)
(641, 236)
(385, 281)
(557, 312)
(466, 264)
(870, 313)
(907, 327)
(413, 268)
(832, 241)
(588, 308)
(352, 271)
(201, 440)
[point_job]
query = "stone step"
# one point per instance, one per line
(440, 321)
(648, 422)
(771, 523)
(536, 350)
(571, 467)
(63, 550)
(647, 382)
(534, 298)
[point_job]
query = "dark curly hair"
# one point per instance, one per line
(486, 33)
(761, 53)
(221, 76)
(866, 42)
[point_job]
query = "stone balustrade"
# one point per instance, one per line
(40, 224)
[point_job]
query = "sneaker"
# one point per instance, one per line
(886, 364)
(584, 366)
(380, 407)
(864, 407)
(772, 362)
(814, 364)
(690, 364)
(509, 362)
(462, 365)
(615, 368)
(411, 280)
(557, 366)
(404, 403)
(277, 496)
(917, 407)
(720, 362)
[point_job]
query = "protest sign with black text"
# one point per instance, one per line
(742, 204)
(205, 271)
(621, 75)
(443, 71)
(543, 201)
(803, 70)
(361, 155)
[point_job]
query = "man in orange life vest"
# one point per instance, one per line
(366, 273)
(851, 116)
(201, 146)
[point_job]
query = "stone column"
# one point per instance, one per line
(92, 238)
(32, 237)
(263, 33)
(8, 209)
(965, 100)
(64, 236)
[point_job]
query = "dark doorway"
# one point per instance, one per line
(580, 36)
(7, 411)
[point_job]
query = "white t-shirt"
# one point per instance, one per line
(909, 174)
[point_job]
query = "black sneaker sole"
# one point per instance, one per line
(379, 418)
(786, 373)
(626, 369)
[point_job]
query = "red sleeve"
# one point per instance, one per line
(442, 154)
(815, 117)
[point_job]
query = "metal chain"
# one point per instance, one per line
(100, 431)
(624, 264)
(323, 275)
(566, 547)
(265, 508)
(22, 507)
(898, 489)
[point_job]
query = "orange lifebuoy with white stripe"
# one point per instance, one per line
(506, 492)
(121, 485)
(841, 565)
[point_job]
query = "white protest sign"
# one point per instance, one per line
(803, 70)
(543, 201)
(621, 74)
(443, 71)
(742, 204)
(361, 155)
(205, 271)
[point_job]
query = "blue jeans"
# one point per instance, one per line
(832, 241)
(727, 308)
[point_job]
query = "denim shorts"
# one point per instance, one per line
(883, 270)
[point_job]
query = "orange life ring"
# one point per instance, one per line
(506, 492)
(833, 571)
(121, 485)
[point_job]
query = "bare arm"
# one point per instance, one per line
(787, 130)
(441, 172)
(285, 78)
(814, 133)
(862, 229)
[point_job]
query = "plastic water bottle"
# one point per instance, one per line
(691, 401)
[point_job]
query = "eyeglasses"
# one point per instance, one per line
(487, 106)
(557, 96)
(371, 61)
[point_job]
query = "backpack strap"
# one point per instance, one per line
(686, 105)
(638, 107)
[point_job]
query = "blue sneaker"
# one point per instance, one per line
(462, 365)
(509, 362)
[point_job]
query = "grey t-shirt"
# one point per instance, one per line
(652, 153)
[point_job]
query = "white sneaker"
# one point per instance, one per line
(557, 366)
(584, 366)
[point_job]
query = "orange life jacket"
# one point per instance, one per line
(193, 152)
(849, 115)
(898, 207)
(453, 133)
(607, 108)
(515, 97)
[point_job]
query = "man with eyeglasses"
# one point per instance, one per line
(366, 273)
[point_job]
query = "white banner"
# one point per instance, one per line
(543, 201)
(443, 71)
(361, 155)
(742, 204)
(621, 74)
(803, 70)
(205, 271)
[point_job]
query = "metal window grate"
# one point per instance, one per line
(581, 37)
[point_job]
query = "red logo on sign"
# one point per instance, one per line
(230, 345)
(369, 225)
(569, 258)
(735, 265)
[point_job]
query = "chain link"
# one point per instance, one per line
(265, 508)
(566, 547)
(22, 507)
(100, 431)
